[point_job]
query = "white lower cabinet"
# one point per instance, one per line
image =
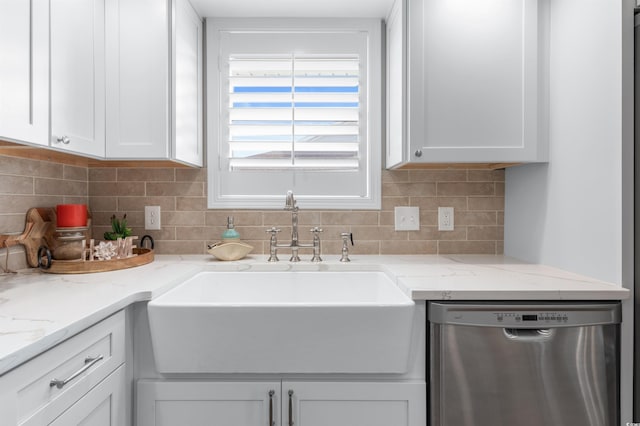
(353, 404)
(104, 405)
(79, 381)
(303, 403)
(185, 403)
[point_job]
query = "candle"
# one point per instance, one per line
(71, 215)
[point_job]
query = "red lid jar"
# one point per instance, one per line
(71, 215)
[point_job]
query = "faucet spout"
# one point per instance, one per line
(290, 205)
(290, 202)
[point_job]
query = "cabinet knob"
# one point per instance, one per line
(418, 153)
(63, 139)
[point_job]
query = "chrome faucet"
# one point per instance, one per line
(294, 245)
(290, 205)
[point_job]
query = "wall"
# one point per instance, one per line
(28, 183)
(576, 212)
(568, 213)
(187, 226)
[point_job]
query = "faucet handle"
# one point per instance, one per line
(273, 249)
(316, 244)
(273, 230)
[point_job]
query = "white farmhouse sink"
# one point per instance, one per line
(282, 322)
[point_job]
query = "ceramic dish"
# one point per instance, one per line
(229, 250)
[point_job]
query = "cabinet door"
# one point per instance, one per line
(171, 403)
(104, 405)
(137, 59)
(477, 90)
(24, 74)
(187, 85)
(354, 404)
(396, 84)
(78, 76)
(27, 396)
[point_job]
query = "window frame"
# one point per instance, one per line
(370, 198)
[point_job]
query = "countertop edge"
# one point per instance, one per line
(541, 295)
(415, 275)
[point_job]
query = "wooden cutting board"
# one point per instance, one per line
(39, 231)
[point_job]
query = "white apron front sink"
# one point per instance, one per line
(283, 322)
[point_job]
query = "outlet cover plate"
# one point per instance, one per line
(152, 218)
(445, 218)
(407, 218)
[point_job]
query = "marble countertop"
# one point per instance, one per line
(39, 310)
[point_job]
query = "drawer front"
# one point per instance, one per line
(44, 387)
(103, 405)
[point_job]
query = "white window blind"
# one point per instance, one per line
(294, 105)
(295, 111)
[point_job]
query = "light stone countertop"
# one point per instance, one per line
(39, 310)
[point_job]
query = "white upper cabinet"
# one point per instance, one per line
(118, 79)
(154, 81)
(137, 58)
(187, 71)
(24, 73)
(78, 76)
(396, 83)
(474, 80)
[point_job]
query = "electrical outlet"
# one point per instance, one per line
(445, 218)
(407, 218)
(152, 217)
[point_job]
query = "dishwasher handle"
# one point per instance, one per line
(529, 334)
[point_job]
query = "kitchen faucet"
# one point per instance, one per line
(294, 245)
(290, 205)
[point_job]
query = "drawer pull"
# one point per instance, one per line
(290, 407)
(271, 422)
(89, 362)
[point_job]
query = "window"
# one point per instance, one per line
(294, 105)
(294, 111)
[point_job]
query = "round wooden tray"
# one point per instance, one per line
(143, 256)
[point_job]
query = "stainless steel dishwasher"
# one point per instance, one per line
(524, 364)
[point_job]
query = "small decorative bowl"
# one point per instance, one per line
(229, 250)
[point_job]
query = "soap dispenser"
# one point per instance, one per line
(230, 234)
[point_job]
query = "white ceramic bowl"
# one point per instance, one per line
(230, 250)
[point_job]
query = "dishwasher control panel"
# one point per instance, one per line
(523, 315)
(538, 318)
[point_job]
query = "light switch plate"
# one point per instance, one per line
(407, 218)
(152, 218)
